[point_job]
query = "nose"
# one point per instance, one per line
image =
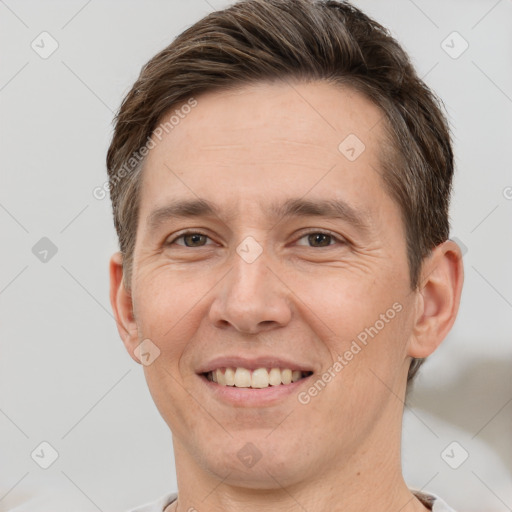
(251, 298)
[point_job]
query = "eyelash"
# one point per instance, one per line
(313, 232)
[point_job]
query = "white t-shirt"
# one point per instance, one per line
(438, 505)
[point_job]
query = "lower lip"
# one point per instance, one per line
(252, 397)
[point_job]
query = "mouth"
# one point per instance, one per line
(258, 378)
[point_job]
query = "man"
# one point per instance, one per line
(280, 180)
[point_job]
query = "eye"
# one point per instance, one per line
(190, 239)
(315, 239)
(320, 239)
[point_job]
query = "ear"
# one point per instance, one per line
(438, 297)
(122, 305)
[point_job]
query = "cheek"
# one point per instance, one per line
(363, 321)
(349, 303)
(167, 304)
(374, 359)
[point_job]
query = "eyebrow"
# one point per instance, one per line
(294, 207)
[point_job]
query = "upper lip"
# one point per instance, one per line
(252, 363)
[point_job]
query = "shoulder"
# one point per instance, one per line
(156, 506)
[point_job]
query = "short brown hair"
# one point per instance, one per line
(307, 40)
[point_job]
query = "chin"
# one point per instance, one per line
(254, 462)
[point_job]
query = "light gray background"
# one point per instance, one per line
(65, 377)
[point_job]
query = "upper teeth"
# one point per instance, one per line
(259, 378)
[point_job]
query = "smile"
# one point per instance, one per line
(257, 379)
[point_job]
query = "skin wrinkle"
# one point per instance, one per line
(357, 224)
(310, 303)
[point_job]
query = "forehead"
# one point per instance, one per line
(318, 114)
(268, 141)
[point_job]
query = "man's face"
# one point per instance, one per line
(252, 287)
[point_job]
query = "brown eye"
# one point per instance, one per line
(317, 239)
(194, 239)
(191, 239)
(322, 239)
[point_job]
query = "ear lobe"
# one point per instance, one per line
(438, 299)
(122, 305)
